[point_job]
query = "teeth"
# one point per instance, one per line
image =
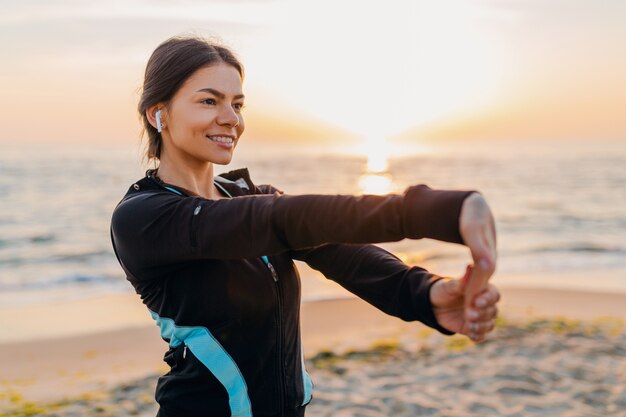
(223, 139)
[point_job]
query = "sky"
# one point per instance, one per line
(328, 71)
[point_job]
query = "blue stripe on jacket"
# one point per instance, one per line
(210, 352)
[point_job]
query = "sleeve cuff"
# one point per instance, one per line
(424, 308)
(432, 213)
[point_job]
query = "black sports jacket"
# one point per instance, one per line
(218, 278)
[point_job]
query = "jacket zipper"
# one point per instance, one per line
(279, 312)
(274, 274)
(281, 394)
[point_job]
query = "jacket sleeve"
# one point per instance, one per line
(156, 228)
(378, 277)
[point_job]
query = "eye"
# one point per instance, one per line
(210, 101)
(239, 106)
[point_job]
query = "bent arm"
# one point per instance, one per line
(378, 277)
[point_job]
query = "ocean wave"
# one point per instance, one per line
(52, 259)
(65, 243)
(7, 220)
(64, 281)
(80, 257)
(582, 247)
(44, 238)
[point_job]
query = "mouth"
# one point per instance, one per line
(226, 139)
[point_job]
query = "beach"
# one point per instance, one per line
(518, 101)
(554, 352)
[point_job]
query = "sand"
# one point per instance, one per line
(542, 368)
(554, 353)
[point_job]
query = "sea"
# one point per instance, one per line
(560, 208)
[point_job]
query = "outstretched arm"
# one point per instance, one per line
(466, 305)
(153, 229)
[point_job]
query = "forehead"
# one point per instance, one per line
(221, 77)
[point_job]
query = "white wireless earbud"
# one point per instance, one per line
(158, 121)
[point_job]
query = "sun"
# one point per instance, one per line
(427, 63)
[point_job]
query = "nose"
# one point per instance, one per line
(228, 117)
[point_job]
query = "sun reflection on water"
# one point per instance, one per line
(376, 179)
(377, 162)
(375, 183)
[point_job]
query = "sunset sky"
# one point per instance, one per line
(324, 71)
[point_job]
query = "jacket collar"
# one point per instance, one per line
(236, 182)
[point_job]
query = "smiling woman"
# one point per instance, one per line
(213, 256)
(201, 123)
(195, 119)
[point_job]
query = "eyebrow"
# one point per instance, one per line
(218, 94)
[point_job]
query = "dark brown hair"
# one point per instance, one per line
(169, 66)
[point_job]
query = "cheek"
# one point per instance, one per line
(197, 120)
(190, 116)
(241, 126)
(184, 120)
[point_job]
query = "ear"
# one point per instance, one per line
(151, 115)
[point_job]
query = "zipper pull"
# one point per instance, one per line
(185, 352)
(274, 274)
(271, 267)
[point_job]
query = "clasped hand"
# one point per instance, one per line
(468, 305)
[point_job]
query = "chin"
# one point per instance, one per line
(222, 161)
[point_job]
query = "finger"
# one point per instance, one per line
(477, 338)
(465, 279)
(481, 272)
(488, 297)
(476, 285)
(483, 314)
(481, 335)
(491, 324)
(488, 313)
(482, 327)
(454, 287)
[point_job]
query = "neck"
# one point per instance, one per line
(195, 177)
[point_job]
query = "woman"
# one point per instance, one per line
(212, 256)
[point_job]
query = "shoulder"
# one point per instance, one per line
(143, 198)
(241, 178)
(138, 206)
